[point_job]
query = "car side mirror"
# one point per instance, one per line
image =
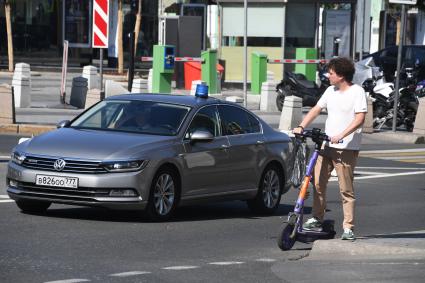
(63, 124)
(201, 136)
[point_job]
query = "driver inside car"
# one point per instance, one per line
(133, 117)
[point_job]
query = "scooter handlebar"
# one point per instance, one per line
(316, 135)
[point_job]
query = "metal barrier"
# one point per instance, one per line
(297, 61)
(176, 59)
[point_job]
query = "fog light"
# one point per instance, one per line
(13, 183)
(122, 193)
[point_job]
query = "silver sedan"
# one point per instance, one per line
(153, 153)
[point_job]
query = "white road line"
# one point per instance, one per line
(265, 260)
(181, 267)
(6, 200)
(381, 175)
(368, 172)
(390, 168)
(130, 273)
(392, 150)
(390, 175)
(4, 196)
(5, 157)
(226, 262)
(400, 157)
(69, 281)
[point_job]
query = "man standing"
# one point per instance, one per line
(346, 106)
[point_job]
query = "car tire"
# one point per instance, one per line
(33, 206)
(164, 195)
(269, 192)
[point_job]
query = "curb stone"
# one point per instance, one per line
(28, 129)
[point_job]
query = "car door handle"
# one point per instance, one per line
(225, 146)
(260, 142)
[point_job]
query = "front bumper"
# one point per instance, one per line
(93, 189)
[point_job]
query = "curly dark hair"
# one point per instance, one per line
(343, 67)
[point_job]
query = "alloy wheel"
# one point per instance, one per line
(164, 194)
(271, 189)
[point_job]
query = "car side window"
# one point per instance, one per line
(255, 125)
(236, 121)
(206, 120)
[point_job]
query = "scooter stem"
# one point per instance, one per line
(303, 191)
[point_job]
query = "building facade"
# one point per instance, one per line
(39, 28)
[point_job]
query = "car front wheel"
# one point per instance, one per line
(32, 206)
(269, 193)
(163, 195)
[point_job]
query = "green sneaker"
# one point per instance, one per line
(313, 224)
(348, 235)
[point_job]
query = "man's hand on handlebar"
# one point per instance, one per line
(298, 130)
(337, 139)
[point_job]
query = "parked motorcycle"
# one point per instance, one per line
(298, 85)
(407, 103)
(379, 92)
(382, 94)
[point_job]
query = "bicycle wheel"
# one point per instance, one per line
(299, 164)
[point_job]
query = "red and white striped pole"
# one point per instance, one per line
(100, 32)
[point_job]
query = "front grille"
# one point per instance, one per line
(64, 192)
(72, 166)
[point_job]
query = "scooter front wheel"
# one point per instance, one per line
(287, 237)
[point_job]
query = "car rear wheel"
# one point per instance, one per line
(269, 193)
(33, 206)
(163, 195)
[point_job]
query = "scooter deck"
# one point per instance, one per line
(308, 236)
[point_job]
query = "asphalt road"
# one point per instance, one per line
(221, 242)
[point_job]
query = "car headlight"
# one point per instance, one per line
(17, 157)
(125, 166)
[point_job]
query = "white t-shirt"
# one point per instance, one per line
(342, 107)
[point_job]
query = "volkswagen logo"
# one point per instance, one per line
(59, 164)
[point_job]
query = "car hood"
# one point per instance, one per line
(94, 145)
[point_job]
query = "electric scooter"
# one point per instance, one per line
(293, 230)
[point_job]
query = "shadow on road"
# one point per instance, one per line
(398, 236)
(223, 210)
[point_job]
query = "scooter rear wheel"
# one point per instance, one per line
(285, 241)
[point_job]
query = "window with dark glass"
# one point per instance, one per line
(206, 120)
(255, 125)
(77, 17)
(237, 121)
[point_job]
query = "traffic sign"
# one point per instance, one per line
(406, 2)
(100, 23)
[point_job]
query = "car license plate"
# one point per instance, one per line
(56, 181)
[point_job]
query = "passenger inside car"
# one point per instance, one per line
(204, 123)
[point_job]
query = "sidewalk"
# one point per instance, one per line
(379, 258)
(46, 111)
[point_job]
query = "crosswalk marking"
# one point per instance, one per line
(5, 199)
(182, 267)
(130, 273)
(226, 262)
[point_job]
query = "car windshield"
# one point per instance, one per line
(146, 117)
